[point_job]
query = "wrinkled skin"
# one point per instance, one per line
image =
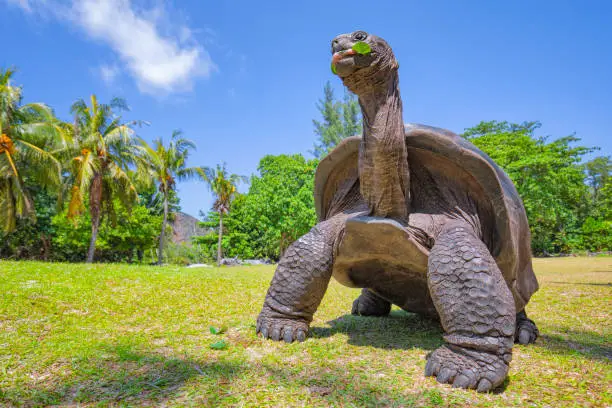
(472, 300)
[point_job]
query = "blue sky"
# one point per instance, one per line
(241, 78)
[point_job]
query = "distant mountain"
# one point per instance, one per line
(186, 226)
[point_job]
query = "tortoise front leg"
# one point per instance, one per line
(299, 283)
(476, 310)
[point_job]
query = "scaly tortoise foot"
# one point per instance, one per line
(287, 330)
(468, 368)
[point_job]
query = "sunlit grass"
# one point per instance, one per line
(131, 335)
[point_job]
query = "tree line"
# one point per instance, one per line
(568, 200)
(72, 191)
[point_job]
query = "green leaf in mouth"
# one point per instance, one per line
(361, 48)
(333, 68)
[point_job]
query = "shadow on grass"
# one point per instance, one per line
(400, 330)
(343, 387)
(134, 379)
(122, 376)
(582, 283)
(589, 344)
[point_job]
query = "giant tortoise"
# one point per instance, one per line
(418, 217)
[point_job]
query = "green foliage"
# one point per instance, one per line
(550, 179)
(32, 239)
(100, 157)
(185, 254)
(599, 177)
(71, 238)
(604, 202)
(97, 161)
(163, 165)
(596, 235)
(234, 242)
(149, 197)
(223, 185)
(340, 119)
(124, 239)
(278, 209)
(30, 136)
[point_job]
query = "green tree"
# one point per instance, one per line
(30, 135)
(604, 207)
(597, 228)
(149, 197)
(223, 186)
(549, 177)
(31, 239)
(235, 242)
(101, 154)
(127, 234)
(599, 176)
(596, 234)
(165, 165)
(278, 209)
(340, 119)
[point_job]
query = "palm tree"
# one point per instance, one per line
(223, 187)
(101, 154)
(165, 165)
(30, 134)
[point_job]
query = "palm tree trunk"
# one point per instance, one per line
(219, 249)
(160, 253)
(46, 245)
(95, 225)
(95, 202)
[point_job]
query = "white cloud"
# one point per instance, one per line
(109, 73)
(160, 55)
(24, 4)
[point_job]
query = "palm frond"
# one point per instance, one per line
(14, 198)
(121, 185)
(222, 184)
(84, 167)
(49, 169)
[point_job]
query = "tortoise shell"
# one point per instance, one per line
(458, 162)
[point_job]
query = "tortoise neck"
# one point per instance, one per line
(382, 109)
(383, 158)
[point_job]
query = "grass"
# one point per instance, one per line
(119, 335)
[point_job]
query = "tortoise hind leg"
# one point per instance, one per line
(476, 310)
(370, 304)
(526, 330)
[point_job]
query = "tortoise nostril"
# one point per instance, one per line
(335, 45)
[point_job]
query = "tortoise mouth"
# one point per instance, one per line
(340, 55)
(348, 61)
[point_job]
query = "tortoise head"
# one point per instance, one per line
(363, 61)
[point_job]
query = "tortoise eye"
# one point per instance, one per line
(359, 35)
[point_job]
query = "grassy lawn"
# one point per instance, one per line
(117, 335)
